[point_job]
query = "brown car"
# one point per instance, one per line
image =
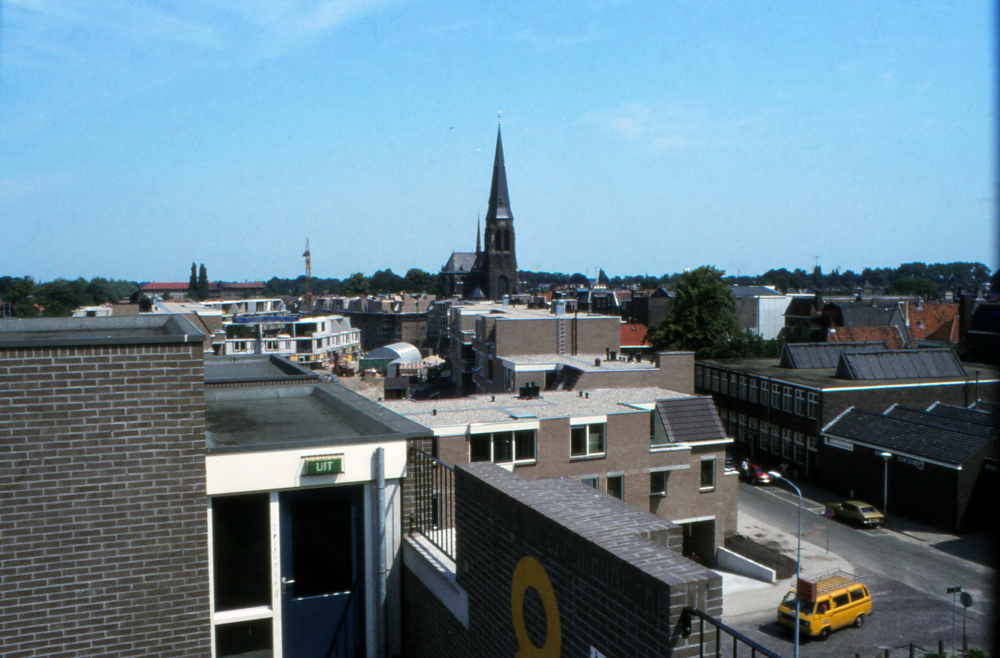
(859, 513)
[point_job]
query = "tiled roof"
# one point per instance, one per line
(959, 413)
(946, 332)
(690, 419)
(158, 285)
(897, 436)
(900, 364)
(888, 335)
(942, 422)
(822, 355)
(927, 317)
(633, 335)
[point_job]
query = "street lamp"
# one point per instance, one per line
(886, 456)
(798, 562)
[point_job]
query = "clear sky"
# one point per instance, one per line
(641, 137)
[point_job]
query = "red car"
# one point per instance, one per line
(754, 474)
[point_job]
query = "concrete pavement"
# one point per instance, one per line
(742, 595)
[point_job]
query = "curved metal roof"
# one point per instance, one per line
(405, 352)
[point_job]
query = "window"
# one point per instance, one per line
(708, 474)
(776, 396)
(241, 545)
(765, 395)
(753, 391)
(751, 430)
(812, 444)
(787, 405)
(589, 480)
(724, 384)
(658, 483)
(743, 388)
(800, 402)
(742, 432)
(800, 446)
(502, 447)
(786, 443)
(811, 405)
(724, 416)
(698, 373)
(616, 485)
(841, 599)
(732, 424)
(775, 439)
(586, 440)
(765, 434)
(715, 381)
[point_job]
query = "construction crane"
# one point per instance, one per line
(307, 301)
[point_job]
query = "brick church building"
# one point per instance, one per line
(490, 272)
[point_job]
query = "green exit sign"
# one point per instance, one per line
(324, 465)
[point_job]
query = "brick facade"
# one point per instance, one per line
(102, 500)
(618, 584)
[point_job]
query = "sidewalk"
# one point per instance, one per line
(742, 595)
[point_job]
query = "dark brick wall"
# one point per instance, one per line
(617, 585)
(102, 501)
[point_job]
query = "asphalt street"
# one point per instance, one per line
(908, 568)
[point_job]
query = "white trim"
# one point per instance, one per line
(884, 386)
(587, 420)
(368, 530)
(711, 442)
(243, 614)
(451, 430)
(694, 519)
(274, 508)
(641, 406)
(211, 578)
(895, 452)
(503, 426)
(670, 447)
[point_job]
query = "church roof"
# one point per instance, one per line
(499, 201)
(460, 262)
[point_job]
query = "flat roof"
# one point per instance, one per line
(255, 419)
(509, 407)
(111, 330)
(584, 362)
(254, 368)
(519, 312)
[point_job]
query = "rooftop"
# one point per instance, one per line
(493, 309)
(252, 419)
(510, 408)
(254, 369)
(112, 330)
(582, 362)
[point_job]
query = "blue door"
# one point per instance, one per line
(321, 573)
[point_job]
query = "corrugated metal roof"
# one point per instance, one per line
(690, 419)
(823, 355)
(900, 364)
(405, 352)
(897, 436)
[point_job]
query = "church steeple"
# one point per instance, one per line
(499, 201)
(478, 247)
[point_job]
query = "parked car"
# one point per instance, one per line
(754, 474)
(859, 513)
(837, 600)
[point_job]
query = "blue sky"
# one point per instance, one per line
(648, 137)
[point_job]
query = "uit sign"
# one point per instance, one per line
(324, 465)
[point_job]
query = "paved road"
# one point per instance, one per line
(908, 574)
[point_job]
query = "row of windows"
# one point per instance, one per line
(764, 392)
(657, 481)
(519, 446)
(769, 437)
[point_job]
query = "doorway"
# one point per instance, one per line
(322, 573)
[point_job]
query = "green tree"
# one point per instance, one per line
(193, 283)
(917, 285)
(703, 316)
(19, 294)
(417, 280)
(356, 285)
(745, 344)
(203, 283)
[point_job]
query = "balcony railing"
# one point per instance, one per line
(714, 642)
(433, 514)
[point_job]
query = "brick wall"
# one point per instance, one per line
(102, 501)
(617, 582)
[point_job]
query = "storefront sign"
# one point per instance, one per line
(324, 465)
(806, 589)
(917, 463)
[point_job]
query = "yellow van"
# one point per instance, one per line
(838, 599)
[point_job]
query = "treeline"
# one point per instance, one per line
(23, 297)
(383, 282)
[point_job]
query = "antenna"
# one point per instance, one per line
(498, 117)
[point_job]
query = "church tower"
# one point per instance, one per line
(499, 260)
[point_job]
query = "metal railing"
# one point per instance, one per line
(433, 513)
(732, 637)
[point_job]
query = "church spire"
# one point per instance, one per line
(478, 247)
(499, 202)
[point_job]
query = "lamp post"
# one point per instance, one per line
(886, 456)
(798, 562)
